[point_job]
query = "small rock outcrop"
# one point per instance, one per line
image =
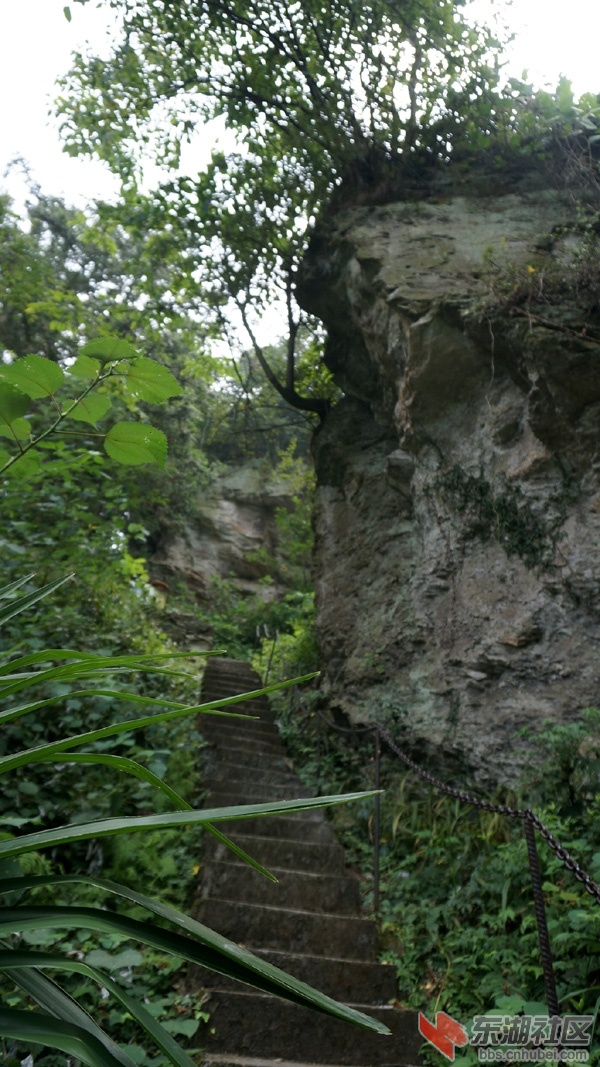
(458, 503)
(230, 533)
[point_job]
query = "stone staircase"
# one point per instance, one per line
(309, 923)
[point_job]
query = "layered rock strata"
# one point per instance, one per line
(458, 503)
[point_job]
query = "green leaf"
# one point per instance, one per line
(17, 606)
(99, 957)
(61, 835)
(126, 766)
(59, 1004)
(32, 755)
(132, 662)
(30, 960)
(150, 381)
(132, 443)
(204, 946)
(90, 409)
(8, 590)
(24, 466)
(187, 1027)
(33, 375)
(109, 349)
(34, 1028)
(67, 13)
(84, 367)
(13, 405)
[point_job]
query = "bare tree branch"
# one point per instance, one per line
(289, 394)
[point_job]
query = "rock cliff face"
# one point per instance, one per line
(233, 535)
(458, 504)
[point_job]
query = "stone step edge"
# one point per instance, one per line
(260, 838)
(225, 1060)
(379, 1011)
(290, 911)
(285, 872)
(311, 956)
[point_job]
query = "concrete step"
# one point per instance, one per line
(259, 926)
(236, 741)
(267, 1026)
(235, 733)
(351, 981)
(258, 765)
(283, 852)
(223, 776)
(294, 889)
(218, 689)
(307, 826)
(253, 752)
(219, 730)
(223, 664)
(308, 924)
(244, 792)
(226, 1060)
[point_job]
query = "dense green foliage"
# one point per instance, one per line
(90, 514)
(313, 98)
(63, 1024)
(304, 95)
(90, 709)
(456, 902)
(88, 511)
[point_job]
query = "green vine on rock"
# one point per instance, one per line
(504, 515)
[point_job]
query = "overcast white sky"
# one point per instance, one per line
(36, 41)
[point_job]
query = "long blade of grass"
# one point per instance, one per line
(61, 835)
(36, 1029)
(125, 766)
(9, 960)
(15, 607)
(17, 681)
(128, 766)
(6, 590)
(77, 656)
(211, 951)
(114, 694)
(132, 698)
(49, 996)
(32, 755)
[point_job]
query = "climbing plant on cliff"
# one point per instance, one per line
(309, 94)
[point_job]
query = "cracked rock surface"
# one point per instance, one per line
(458, 505)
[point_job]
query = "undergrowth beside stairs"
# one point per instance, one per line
(163, 862)
(456, 908)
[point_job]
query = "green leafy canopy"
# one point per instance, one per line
(311, 93)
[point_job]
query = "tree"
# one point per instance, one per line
(310, 91)
(66, 274)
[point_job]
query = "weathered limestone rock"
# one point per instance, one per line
(458, 508)
(233, 524)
